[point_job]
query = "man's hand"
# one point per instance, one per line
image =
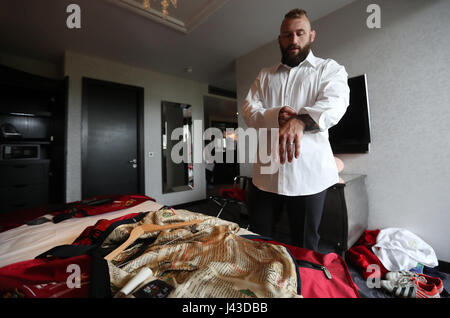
(285, 114)
(290, 136)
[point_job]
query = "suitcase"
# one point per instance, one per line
(52, 274)
(321, 275)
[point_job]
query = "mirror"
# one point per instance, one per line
(177, 157)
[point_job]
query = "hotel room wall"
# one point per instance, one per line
(157, 87)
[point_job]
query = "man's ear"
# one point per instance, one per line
(312, 35)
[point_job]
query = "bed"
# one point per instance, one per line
(26, 242)
(203, 262)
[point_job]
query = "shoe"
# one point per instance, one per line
(401, 275)
(413, 288)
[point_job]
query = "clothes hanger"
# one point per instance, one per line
(146, 228)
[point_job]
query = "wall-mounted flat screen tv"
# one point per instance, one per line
(352, 133)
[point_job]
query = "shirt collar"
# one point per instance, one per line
(311, 59)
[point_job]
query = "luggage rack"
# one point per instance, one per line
(239, 189)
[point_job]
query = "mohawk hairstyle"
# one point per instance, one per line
(296, 13)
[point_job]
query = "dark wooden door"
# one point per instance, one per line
(112, 150)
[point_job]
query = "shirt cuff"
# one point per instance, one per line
(271, 117)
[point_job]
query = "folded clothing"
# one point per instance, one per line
(399, 249)
(361, 256)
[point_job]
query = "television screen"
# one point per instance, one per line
(352, 133)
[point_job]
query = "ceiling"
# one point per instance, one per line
(183, 16)
(211, 36)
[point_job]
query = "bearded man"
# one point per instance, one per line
(303, 96)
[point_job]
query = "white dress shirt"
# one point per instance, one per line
(316, 87)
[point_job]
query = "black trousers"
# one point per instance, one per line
(304, 215)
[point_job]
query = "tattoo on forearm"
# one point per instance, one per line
(310, 124)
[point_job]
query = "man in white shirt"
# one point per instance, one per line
(303, 96)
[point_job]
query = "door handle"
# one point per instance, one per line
(133, 162)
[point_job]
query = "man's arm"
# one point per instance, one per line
(253, 112)
(310, 124)
(332, 100)
(328, 109)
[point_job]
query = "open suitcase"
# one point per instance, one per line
(321, 275)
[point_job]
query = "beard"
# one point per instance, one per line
(294, 60)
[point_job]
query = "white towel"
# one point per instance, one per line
(399, 249)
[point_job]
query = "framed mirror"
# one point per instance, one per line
(177, 157)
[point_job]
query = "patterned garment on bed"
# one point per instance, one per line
(204, 260)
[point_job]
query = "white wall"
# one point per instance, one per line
(407, 64)
(157, 87)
